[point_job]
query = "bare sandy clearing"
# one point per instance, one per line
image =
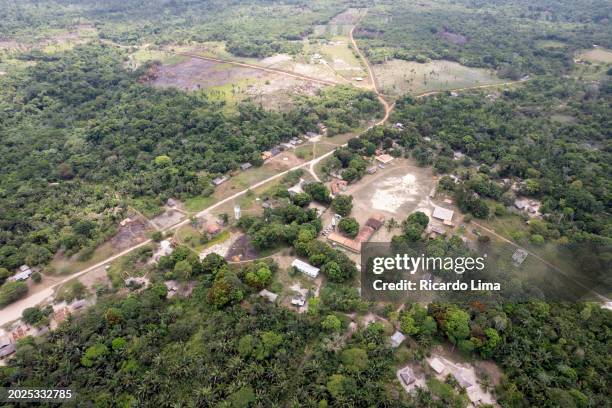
(168, 218)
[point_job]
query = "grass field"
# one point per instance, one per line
(144, 55)
(67, 266)
(398, 77)
(189, 236)
(597, 55)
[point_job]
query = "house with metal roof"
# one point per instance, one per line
(305, 268)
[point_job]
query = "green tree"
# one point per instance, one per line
(12, 291)
(349, 226)
(355, 359)
(331, 323)
(182, 270)
(32, 315)
(342, 204)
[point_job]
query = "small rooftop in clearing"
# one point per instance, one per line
(397, 338)
(443, 214)
(305, 268)
(384, 158)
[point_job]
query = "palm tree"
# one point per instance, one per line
(391, 224)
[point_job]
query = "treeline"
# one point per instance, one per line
(77, 130)
(256, 28)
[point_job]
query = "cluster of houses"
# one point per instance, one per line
(464, 376)
(372, 225)
(9, 340)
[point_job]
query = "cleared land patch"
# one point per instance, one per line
(398, 77)
(597, 55)
(229, 83)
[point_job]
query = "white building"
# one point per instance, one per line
(443, 214)
(270, 296)
(437, 365)
(397, 339)
(237, 212)
(298, 301)
(305, 268)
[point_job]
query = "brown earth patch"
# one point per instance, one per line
(454, 38)
(131, 234)
(196, 73)
(241, 250)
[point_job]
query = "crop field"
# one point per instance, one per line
(398, 77)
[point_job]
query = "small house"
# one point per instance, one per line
(298, 301)
(245, 166)
(407, 376)
(79, 304)
(305, 268)
(519, 256)
(266, 155)
(23, 274)
(275, 151)
(337, 186)
(443, 214)
(437, 365)
(397, 338)
(384, 158)
(213, 229)
(6, 347)
(270, 296)
(372, 170)
(217, 181)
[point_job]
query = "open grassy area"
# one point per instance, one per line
(398, 77)
(198, 203)
(190, 236)
(144, 55)
(66, 266)
(598, 54)
(514, 228)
